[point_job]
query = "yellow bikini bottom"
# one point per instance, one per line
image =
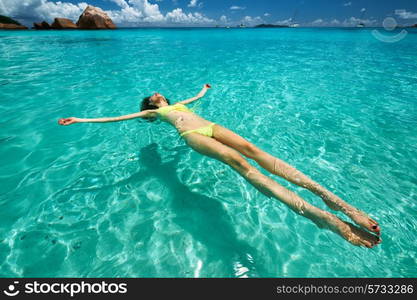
(206, 130)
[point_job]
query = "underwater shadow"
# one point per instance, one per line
(203, 217)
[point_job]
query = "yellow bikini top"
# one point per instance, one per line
(164, 110)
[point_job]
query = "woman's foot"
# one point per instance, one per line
(357, 216)
(360, 237)
(348, 231)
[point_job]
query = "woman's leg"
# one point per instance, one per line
(281, 168)
(212, 148)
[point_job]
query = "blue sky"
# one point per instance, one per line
(222, 12)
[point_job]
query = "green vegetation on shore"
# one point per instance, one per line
(7, 20)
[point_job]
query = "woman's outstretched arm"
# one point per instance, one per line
(199, 95)
(143, 114)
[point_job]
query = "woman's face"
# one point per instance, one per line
(157, 99)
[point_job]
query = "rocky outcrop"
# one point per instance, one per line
(95, 18)
(42, 26)
(9, 23)
(62, 23)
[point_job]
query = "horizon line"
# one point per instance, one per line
(222, 27)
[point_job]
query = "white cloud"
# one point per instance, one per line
(286, 22)
(323, 23)
(178, 16)
(403, 14)
(139, 12)
(237, 7)
(125, 15)
(121, 3)
(224, 20)
(363, 9)
(352, 22)
(150, 11)
(347, 4)
(252, 21)
(193, 3)
(317, 22)
(135, 12)
(267, 14)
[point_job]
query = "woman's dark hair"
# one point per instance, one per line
(146, 104)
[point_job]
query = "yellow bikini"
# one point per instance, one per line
(206, 130)
(165, 110)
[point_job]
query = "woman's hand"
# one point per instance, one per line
(199, 95)
(68, 121)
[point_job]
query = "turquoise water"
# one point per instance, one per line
(131, 199)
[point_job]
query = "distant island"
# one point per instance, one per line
(271, 26)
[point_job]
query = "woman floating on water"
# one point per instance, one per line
(222, 144)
